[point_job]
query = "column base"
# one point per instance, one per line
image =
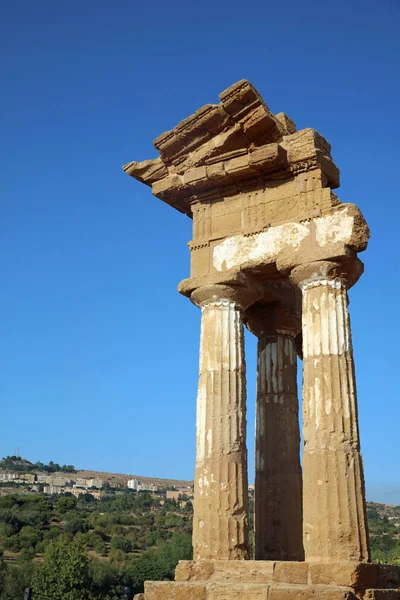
(270, 580)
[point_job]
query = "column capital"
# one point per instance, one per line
(221, 293)
(328, 272)
(270, 319)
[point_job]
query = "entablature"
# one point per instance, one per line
(235, 143)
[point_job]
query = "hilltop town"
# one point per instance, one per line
(16, 472)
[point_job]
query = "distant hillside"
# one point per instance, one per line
(22, 465)
(382, 511)
(16, 463)
(384, 532)
(121, 479)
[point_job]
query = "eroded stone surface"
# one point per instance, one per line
(335, 524)
(310, 593)
(291, 572)
(167, 590)
(256, 571)
(220, 521)
(280, 581)
(382, 595)
(358, 576)
(278, 479)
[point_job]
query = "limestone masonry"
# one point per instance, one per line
(275, 250)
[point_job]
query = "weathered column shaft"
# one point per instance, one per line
(278, 481)
(335, 527)
(220, 525)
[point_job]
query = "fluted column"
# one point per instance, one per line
(220, 523)
(278, 479)
(335, 525)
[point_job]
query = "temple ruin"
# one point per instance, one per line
(275, 250)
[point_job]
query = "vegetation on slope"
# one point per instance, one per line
(119, 541)
(384, 532)
(21, 465)
(84, 549)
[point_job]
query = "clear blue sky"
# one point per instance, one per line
(98, 352)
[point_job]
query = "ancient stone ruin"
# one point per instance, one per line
(274, 249)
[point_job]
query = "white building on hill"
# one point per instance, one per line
(138, 486)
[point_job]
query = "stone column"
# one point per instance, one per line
(278, 479)
(220, 522)
(335, 524)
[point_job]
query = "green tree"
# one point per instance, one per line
(173, 521)
(11, 543)
(29, 537)
(14, 579)
(100, 547)
(26, 555)
(76, 525)
(148, 567)
(64, 573)
(120, 543)
(65, 504)
(150, 538)
(117, 556)
(52, 533)
(6, 530)
(105, 579)
(179, 547)
(86, 498)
